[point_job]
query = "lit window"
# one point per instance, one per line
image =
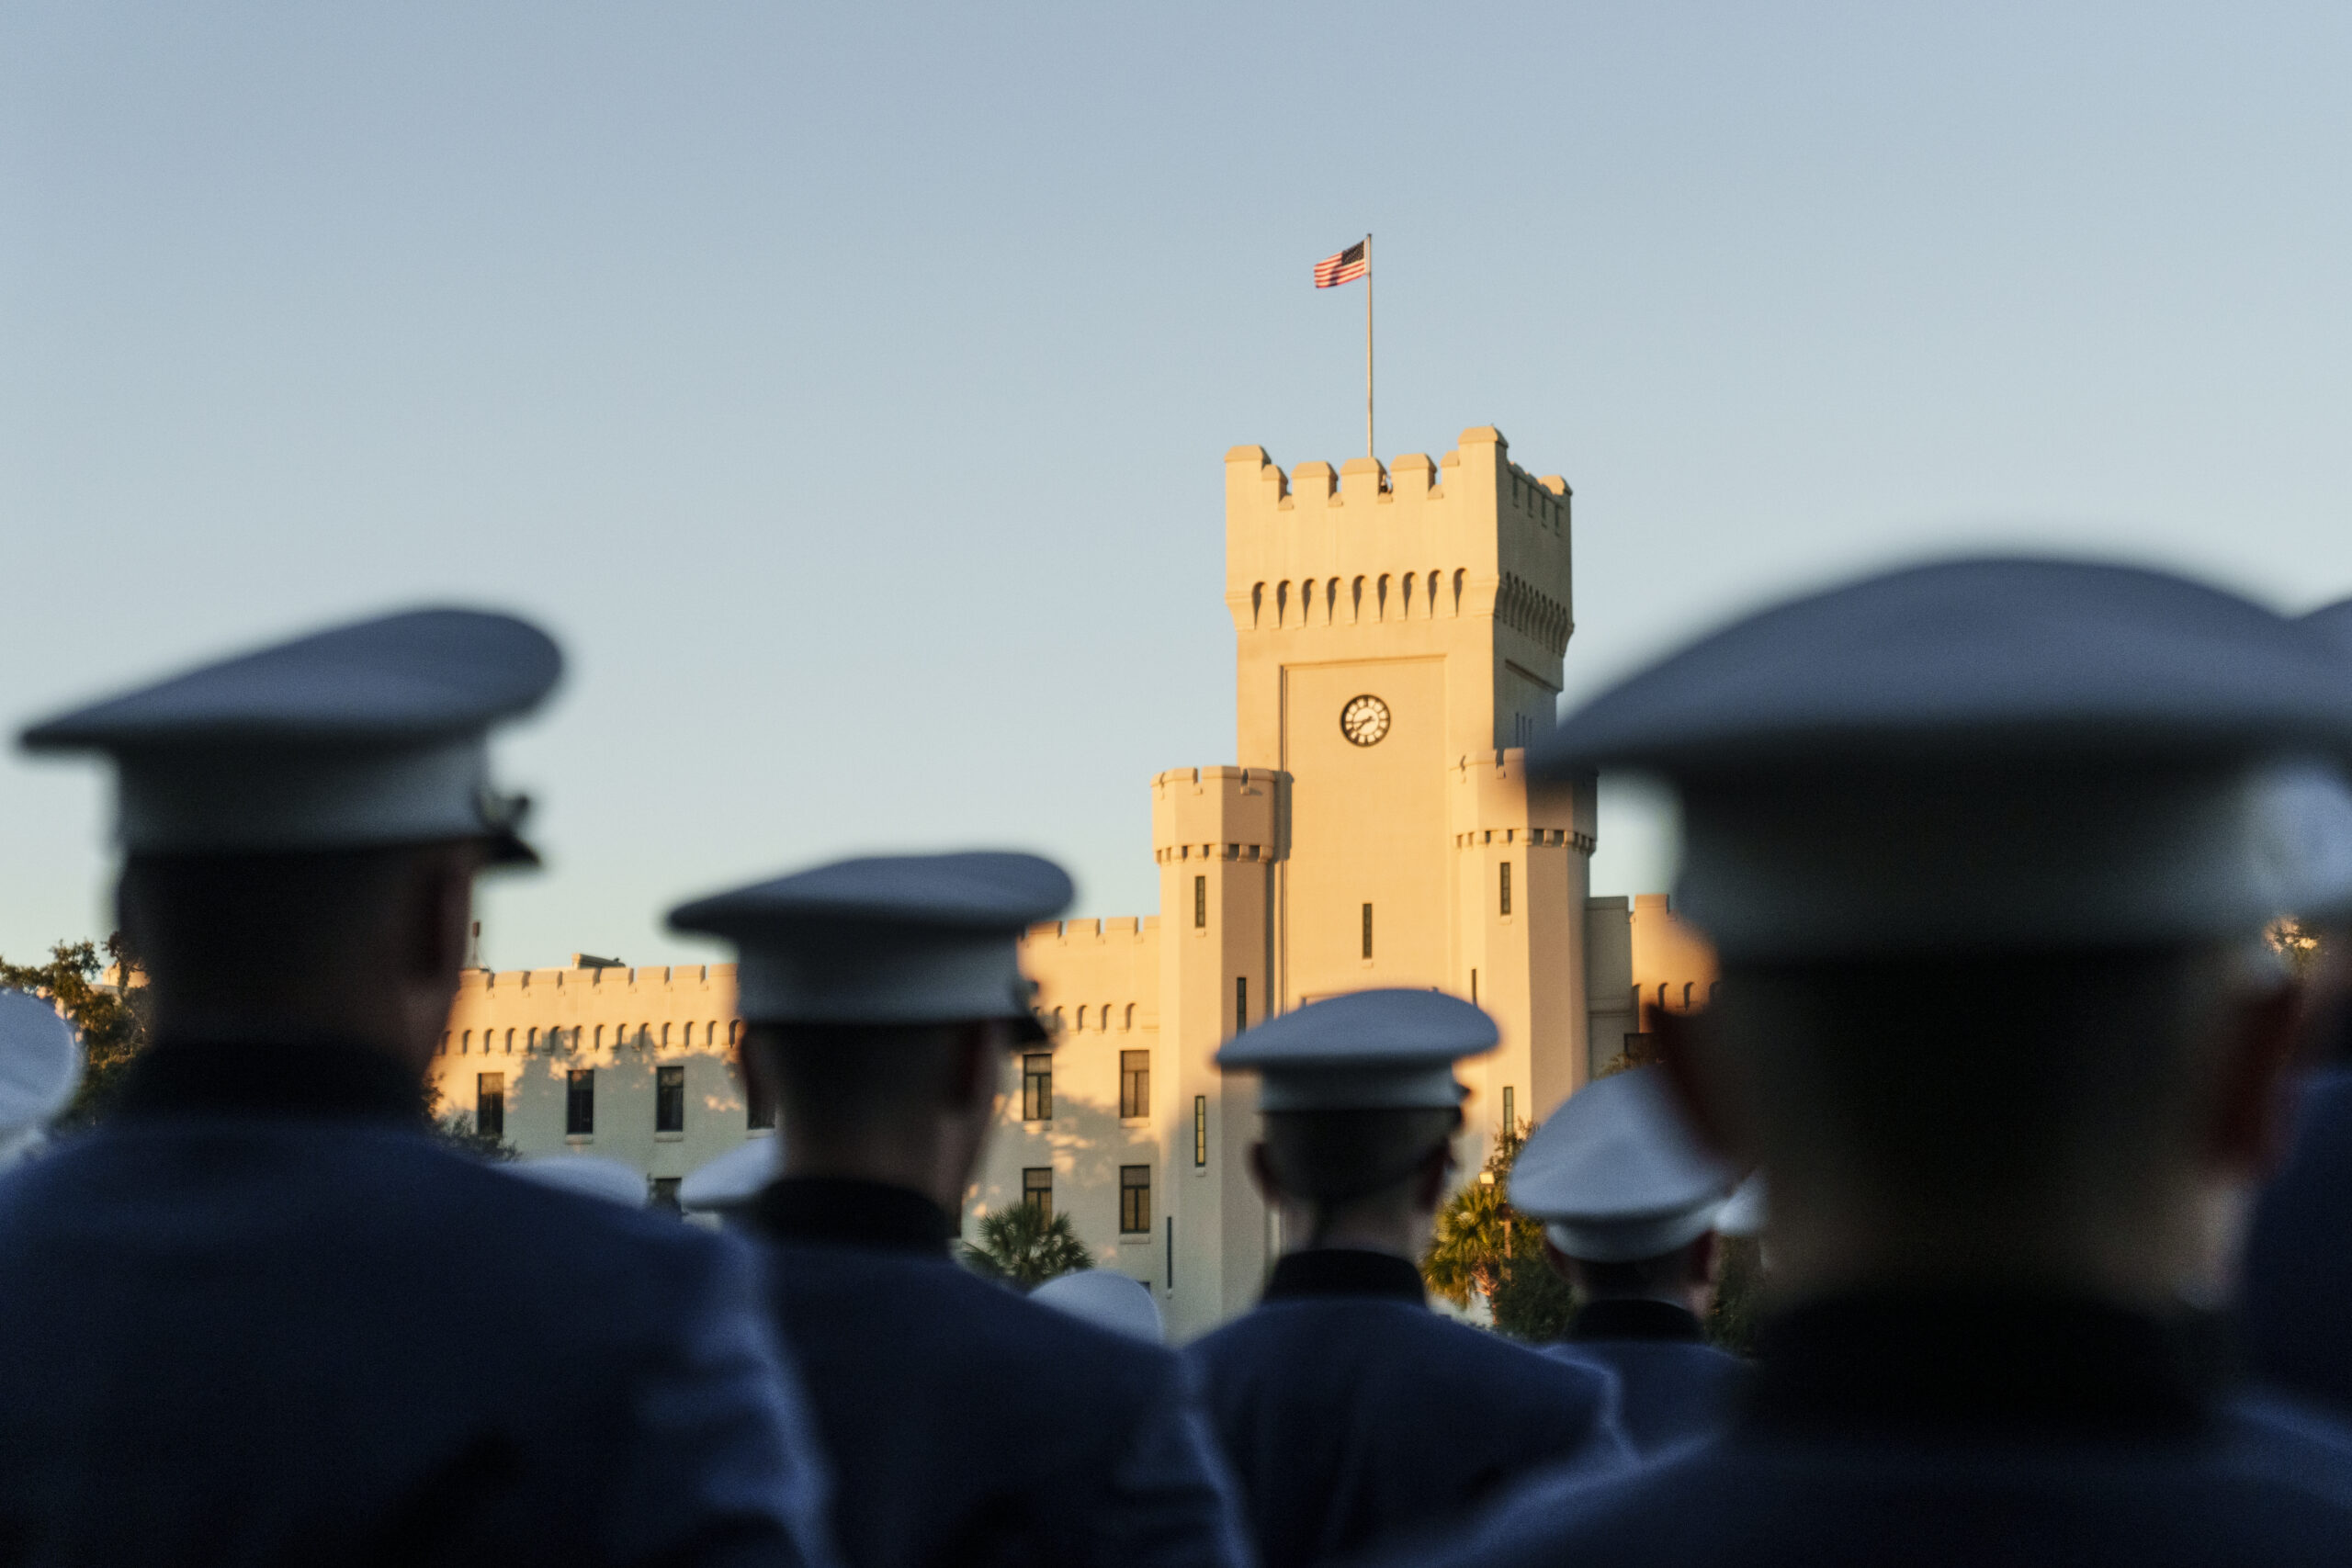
(1037, 1190)
(1037, 1088)
(1135, 1083)
(579, 1102)
(1134, 1199)
(669, 1100)
(490, 1104)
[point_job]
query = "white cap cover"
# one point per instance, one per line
(886, 939)
(1616, 1175)
(730, 1182)
(1107, 1298)
(1747, 1210)
(364, 735)
(1383, 1050)
(40, 1062)
(2020, 754)
(590, 1176)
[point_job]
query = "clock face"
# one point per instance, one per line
(1364, 720)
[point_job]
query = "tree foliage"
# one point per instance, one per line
(1740, 1293)
(1484, 1245)
(1024, 1249)
(2296, 943)
(107, 1018)
(454, 1125)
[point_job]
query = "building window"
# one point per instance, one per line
(1037, 1088)
(1200, 902)
(466, 1040)
(490, 1104)
(759, 1110)
(669, 1100)
(1368, 931)
(1135, 1083)
(1037, 1190)
(579, 1102)
(1135, 1200)
(664, 1194)
(1200, 1131)
(1510, 1109)
(1240, 1003)
(1474, 987)
(1506, 885)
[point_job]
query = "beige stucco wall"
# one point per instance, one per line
(1098, 986)
(1443, 588)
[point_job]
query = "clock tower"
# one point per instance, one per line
(1401, 634)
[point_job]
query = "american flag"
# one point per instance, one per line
(1344, 267)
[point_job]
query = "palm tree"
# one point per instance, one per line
(1482, 1243)
(1024, 1248)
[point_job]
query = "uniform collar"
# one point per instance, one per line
(1634, 1318)
(830, 1211)
(1979, 1362)
(1345, 1271)
(293, 1076)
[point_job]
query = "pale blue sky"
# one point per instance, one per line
(848, 388)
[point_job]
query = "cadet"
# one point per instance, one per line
(966, 1424)
(1356, 1416)
(40, 1066)
(1629, 1204)
(1986, 849)
(2298, 1273)
(262, 1315)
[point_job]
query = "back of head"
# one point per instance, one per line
(1332, 1157)
(855, 1079)
(230, 926)
(1998, 1094)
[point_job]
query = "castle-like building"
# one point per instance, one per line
(1401, 637)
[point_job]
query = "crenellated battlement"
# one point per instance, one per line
(601, 979)
(1235, 814)
(1470, 535)
(1492, 801)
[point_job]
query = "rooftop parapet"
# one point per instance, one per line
(1297, 544)
(1220, 814)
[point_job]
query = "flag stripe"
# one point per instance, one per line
(1344, 267)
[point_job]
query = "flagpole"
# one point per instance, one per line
(1367, 350)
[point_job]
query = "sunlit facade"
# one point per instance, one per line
(1402, 631)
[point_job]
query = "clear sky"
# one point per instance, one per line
(847, 386)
